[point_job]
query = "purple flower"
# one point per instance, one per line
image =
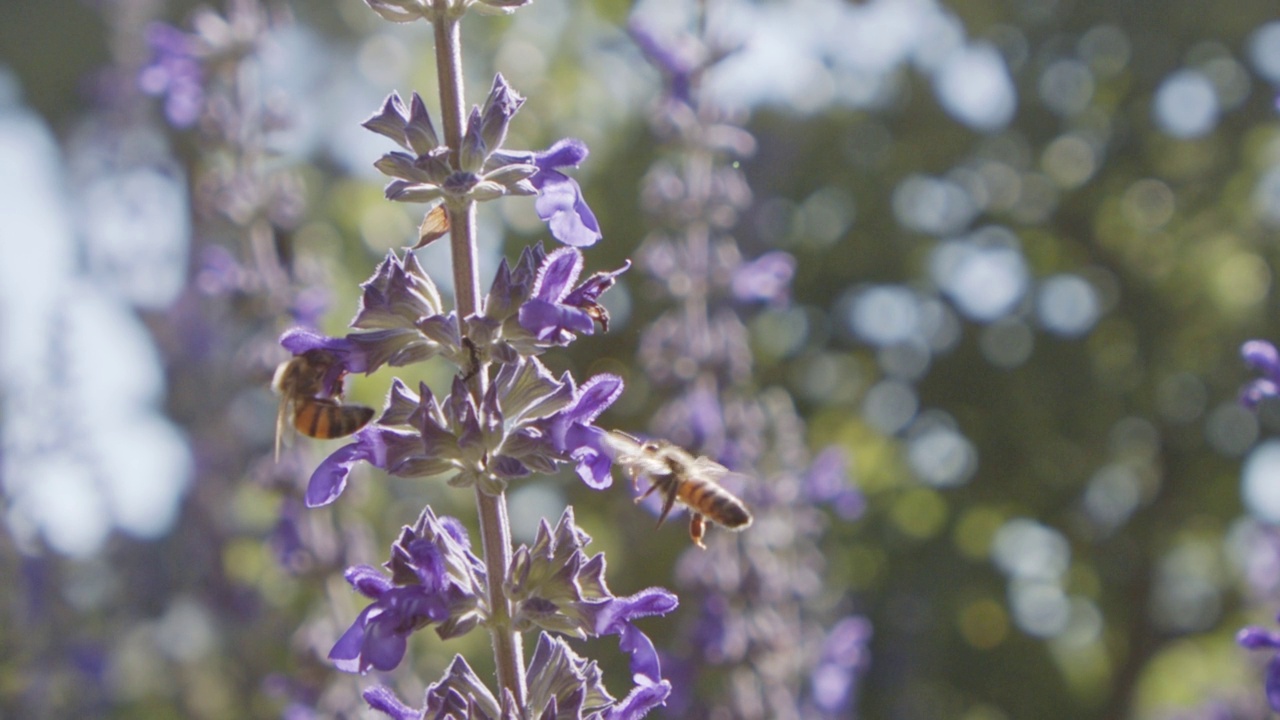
(410, 127)
(844, 658)
(560, 203)
(174, 73)
(614, 616)
(434, 580)
(385, 701)
(1256, 638)
(1262, 356)
(555, 586)
(678, 61)
(380, 633)
(827, 481)
(765, 279)
(571, 433)
(554, 312)
(330, 477)
(424, 174)
(513, 286)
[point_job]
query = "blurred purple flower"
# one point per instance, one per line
(1262, 356)
(827, 481)
(174, 73)
(845, 657)
(765, 279)
(677, 59)
(1257, 638)
(220, 273)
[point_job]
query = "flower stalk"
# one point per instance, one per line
(495, 528)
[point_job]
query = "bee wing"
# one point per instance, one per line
(622, 443)
(708, 469)
(625, 449)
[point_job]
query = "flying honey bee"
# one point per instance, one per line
(679, 475)
(316, 413)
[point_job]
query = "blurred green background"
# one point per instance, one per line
(1031, 236)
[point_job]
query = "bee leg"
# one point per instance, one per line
(668, 502)
(647, 493)
(697, 528)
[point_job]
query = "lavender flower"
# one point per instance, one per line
(561, 683)
(548, 422)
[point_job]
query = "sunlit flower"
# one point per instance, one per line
(560, 203)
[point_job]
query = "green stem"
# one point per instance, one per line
(495, 530)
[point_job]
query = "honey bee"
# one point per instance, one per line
(316, 413)
(679, 475)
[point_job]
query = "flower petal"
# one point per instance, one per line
(385, 701)
(330, 477)
(590, 450)
(643, 698)
(346, 652)
(383, 646)
(558, 273)
(595, 396)
(560, 204)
